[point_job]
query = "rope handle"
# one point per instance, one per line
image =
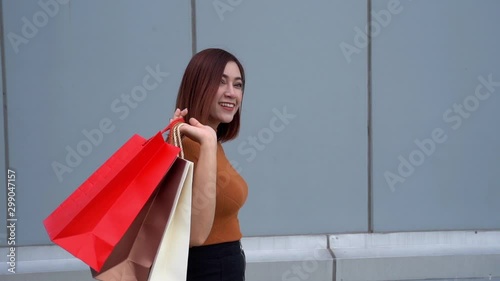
(172, 124)
(174, 137)
(177, 138)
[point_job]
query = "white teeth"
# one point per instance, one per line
(227, 104)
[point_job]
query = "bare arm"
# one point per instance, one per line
(204, 190)
(204, 178)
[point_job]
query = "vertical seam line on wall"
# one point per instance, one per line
(334, 259)
(4, 87)
(4, 101)
(369, 121)
(193, 27)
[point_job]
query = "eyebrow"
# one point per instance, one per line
(236, 78)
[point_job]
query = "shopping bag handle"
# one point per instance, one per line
(177, 138)
(172, 124)
(174, 137)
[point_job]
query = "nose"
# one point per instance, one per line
(229, 91)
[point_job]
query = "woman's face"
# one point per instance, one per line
(228, 98)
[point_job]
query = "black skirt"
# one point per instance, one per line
(218, 262)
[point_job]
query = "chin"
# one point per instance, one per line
(226, 120)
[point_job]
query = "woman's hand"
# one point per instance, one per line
(202, 134)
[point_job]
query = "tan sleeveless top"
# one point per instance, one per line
(232, 192)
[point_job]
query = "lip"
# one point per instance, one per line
(227, 108)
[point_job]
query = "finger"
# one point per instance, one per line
(187, 130)
(177, 113)
(194, 122)
(183, 113)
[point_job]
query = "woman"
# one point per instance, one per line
(210, 96)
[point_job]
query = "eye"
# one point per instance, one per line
(223, 81)
(238, 85)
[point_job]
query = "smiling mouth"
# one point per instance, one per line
(227, 105)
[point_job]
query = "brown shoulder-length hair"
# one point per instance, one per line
(199, 85)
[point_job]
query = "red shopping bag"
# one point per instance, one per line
(93, 219)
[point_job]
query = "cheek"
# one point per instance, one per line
(215, 106)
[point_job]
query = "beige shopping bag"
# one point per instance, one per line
(172, 256)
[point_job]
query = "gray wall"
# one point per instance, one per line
(307, 176)
(308, 173)
(70, 77)
(423, 64)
